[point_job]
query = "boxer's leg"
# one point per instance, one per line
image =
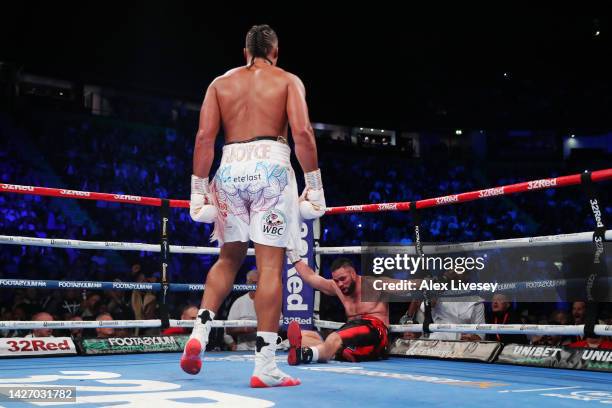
(268, 298)
(328, 349)
(219, 283)
(299, 340)
(269, 294)
(300, 353)
(311, 338)
(220, 279)
(272, 228)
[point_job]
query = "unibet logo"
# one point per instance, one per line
(274, 223)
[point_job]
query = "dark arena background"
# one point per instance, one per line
(486, 133)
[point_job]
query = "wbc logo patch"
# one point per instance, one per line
(274, 223)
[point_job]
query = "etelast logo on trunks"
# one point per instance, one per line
(126, 197)
(246, 179)
(75, 193)
(274, 223)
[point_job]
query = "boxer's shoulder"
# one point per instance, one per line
(293, 79)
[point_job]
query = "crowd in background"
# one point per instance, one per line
(81, 152)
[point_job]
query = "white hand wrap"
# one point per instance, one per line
(293, 256)
(312, 201)
(202, 206)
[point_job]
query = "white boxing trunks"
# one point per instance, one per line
(257, 195)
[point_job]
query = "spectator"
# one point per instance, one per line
(76, 334)
(189, 312)
(501, 313)
(243, 308)
(449, 311)
(557, 317)
(6, 315)
(118, 305)
(597, 342)
(18, 312)
(578, 312)
(71, 302)
(579, 315)
(45, 332)
(454, 312)
(104, 332)
(89, 305)
(93, 154)
(144, 303)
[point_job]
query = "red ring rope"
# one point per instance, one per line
(555, 182)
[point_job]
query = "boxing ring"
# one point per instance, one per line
(157, 380)
(128, 380)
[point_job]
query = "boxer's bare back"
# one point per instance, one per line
(259, 99)
(253, 101)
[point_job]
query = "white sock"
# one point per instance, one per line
(201, 330)
(268, 337)
(264, 358)
(212, 314)
(315, 354)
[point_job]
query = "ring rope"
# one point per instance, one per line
(554, 182)
(527, 329)
(577, 237)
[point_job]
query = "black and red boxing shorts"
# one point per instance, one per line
(363, 339)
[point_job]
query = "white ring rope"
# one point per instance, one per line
(94, 324)
(527, 329)
(355, 250)
(105, 245)
(602, 330)
(544, 240)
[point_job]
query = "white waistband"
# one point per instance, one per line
(258, 150)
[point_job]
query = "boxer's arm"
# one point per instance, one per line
(210, 122)
(316, 281)
(301, 129)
